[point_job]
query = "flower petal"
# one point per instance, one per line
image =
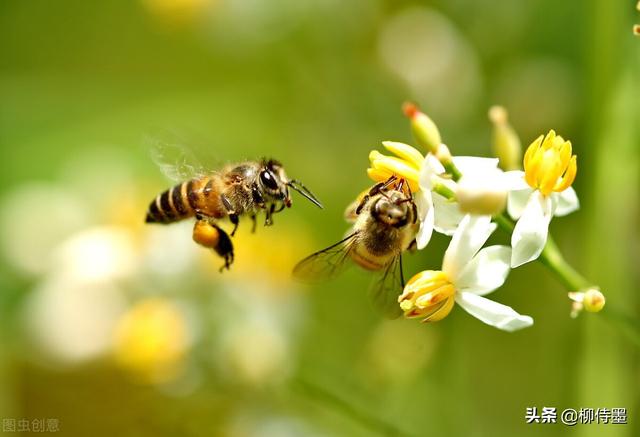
(430, 167)
(473, 164)
(530, 234)
(486, 271)
(514, 180)
(517, 201)
(471, 234)
(424, 203)
(566, 202)
(492, 313)
(447, 215)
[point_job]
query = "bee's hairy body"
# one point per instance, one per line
(204, 196)
(235, 191)
(384, 225)
(381, 239)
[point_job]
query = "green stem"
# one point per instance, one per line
(451, 168)
(552, 258)
(444, 191)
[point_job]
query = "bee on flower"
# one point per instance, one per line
(437, 179)
(460, 196)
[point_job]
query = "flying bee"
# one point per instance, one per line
(385, 223)
(243, 189)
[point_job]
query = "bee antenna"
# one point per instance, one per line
(300, 188)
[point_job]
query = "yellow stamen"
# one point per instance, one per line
(389, 165)
(378, 175)
(405, 165)
(405, 152)
(549, 165)
(428, 295)
(374, 155)
(396, 166)
(441, 312)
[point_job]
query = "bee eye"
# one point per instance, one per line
(268, 180)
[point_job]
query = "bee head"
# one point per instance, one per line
(272, 178)
(392, 209)
(276, 184)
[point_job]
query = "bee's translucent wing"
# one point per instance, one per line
(386, 288)
(326, 263)
(174, 158)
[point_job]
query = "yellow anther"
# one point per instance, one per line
(406, 305)
(441, 312)
(405, 165)
(405, 152)
(374, 155)
(549, 165)
(378, 175)
(428, 295)
(383, 167)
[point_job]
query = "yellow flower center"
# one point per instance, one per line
(405, 165)
(429, 295)
(549, 165)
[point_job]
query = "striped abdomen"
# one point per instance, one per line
(182, 201)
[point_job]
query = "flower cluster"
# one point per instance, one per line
(467, 198)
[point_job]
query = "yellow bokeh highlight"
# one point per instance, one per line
(151, 341)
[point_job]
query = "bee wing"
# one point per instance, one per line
(386, 288)
(326, 263)
(174, 158)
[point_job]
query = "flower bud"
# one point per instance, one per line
(482, 195)
(443, 154)
(506, 144)
(424, 129)
(593, 300)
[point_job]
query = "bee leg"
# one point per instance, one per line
(225, 250)
(235, 220)
(255, 223)
(268, 221)
(382, 187)
(232, 214)
(257, 197)
(362, 203)
(211, 236)
(282, 206)
(378, 188)
(412, 246)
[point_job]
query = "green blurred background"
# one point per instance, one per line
(86, 287)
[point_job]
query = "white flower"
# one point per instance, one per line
(538, 193)
(434, 210)
(482, 194)
(468, 273)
